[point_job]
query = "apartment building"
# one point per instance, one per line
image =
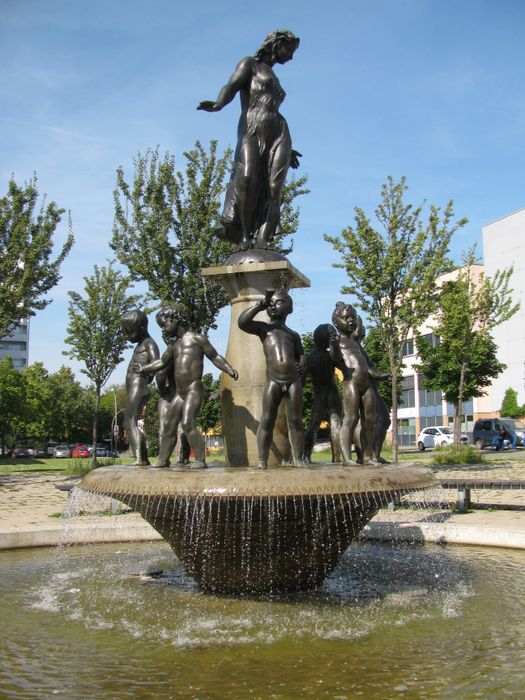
(504, 245)
(421, 408)
(16, 345)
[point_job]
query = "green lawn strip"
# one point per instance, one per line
(11, 465)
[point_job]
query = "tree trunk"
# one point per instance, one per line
(95, 422)
(393, 370)
(458, 407)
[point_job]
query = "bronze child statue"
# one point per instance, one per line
(135, 327)
(283, 351)
(327, 403)
(359, 395)
(186, 355)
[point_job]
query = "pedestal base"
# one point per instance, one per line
(241, 400)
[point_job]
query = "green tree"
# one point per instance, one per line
(11, 401)
(94, 331)
(308, 389)
(510, 406)
(392, 271)
(38, 402)
(71, 407)
(210, 413)
(164, 227)
(27, 270)
(465, 361)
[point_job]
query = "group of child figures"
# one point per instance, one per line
(361, 419)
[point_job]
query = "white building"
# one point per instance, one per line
(16, 345)
(504, 245)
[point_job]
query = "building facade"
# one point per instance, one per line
(16, 345)
(421, 408)
(503, 246)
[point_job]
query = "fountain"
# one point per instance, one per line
(241, 529)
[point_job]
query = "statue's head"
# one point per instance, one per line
(170, 317)
(279, 45)
(134, 324)
(345, 318)
(281, 304)
(322, 336)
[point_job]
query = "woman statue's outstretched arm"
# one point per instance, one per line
(239, 79)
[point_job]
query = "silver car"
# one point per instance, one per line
(61, 451)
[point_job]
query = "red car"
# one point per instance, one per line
(80, 451)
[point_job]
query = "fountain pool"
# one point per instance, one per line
(391, 621)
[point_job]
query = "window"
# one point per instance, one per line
(435, 419)
(406, 431)
(407, 348)
(12, 345)
(408, 397)
(431, 339)
(19, 362)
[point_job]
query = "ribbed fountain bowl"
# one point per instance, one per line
(248, 530)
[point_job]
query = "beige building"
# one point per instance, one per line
(422, 408)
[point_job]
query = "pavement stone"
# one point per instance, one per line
(31, 506)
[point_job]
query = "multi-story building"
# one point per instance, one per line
(16, 345)
(504, 245)
(421, 408)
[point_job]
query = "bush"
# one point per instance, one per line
(449, 454)
(80, 466)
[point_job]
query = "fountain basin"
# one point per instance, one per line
(247, 530)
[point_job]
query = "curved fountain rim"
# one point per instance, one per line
(249, 482)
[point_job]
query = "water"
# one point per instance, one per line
(403, 621)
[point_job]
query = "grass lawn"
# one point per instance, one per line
(8, 465)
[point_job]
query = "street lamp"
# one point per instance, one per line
(114, 426)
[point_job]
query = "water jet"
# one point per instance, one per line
(249, 531)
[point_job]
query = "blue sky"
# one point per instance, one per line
(429, 89)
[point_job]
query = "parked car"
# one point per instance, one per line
(486, 429)
(80, 451)
(437, 436)
(51, 448)
(102, 451)
(21, 451)
(61, 451)
(39, 452)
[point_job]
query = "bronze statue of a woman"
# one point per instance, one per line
(264, 148)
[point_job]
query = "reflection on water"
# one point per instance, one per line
(407, 621)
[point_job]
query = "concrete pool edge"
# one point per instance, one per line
(490, 528)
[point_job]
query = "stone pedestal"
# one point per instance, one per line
(246, 283)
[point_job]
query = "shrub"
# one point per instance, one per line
(449, 454)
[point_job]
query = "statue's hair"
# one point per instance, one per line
(172, 310)
(322, 335)
(134, 320)
(273, 38)
(339, 308)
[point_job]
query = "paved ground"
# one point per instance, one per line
(31, 506)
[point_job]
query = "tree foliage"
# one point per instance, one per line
(210, 413)
(94, 331)
(465, 361)
(392, 271)
(510, 407)
(164, 227)
(11, 400)
(27, 268)
(39, 406)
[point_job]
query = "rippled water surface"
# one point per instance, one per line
(392, 621)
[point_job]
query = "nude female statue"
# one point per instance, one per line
(264, 147)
